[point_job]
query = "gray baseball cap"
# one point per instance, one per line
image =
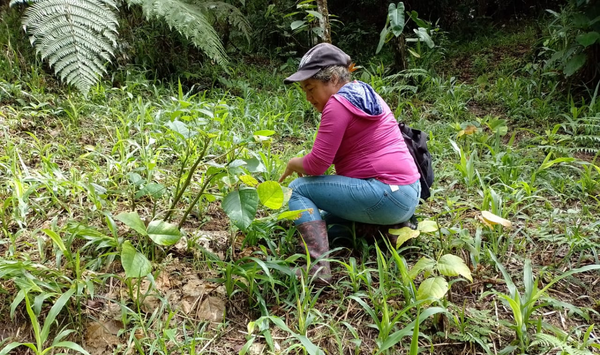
(318, 57)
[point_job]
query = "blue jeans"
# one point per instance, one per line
(358, 200)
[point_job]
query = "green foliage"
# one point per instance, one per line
(241, 207)
(573, 39)
(309, 24)
(76, 37)
(394, 29)
(436, 287)
(42, 333)
(396, 23)
(135, 263)
(524, 305)
(191, 21)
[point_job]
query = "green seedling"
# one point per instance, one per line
(42, 333)
(262, 325)
(524, 305)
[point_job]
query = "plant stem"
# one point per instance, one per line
(188, 180)
(189, 209)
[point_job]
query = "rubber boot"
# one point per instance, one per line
(314, 234)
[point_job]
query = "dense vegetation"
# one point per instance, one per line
(144, 217)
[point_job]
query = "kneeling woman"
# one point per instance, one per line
(377, 181)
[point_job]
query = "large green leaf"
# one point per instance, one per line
(574, 64)
(255, 165)
(316, 14)
(297, 24)
(589, 38)
(163, 233)
(423, 264)
(180, 128)
(152, 189)
(133, 221)
(452, 265)
(382, 39)
(134, 262)
(435, 287)
(428, 226)
(423, 35)
(396, 17)
(241, 207)
(270, 194)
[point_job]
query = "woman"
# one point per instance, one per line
(377, 181)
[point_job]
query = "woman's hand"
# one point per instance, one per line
(293, 166)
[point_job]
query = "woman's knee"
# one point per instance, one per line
(299, 184)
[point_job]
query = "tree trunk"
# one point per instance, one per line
(400, 53)
(324, 24)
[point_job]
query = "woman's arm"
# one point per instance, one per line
(334, 121)
(293, 166)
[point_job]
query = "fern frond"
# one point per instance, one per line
(592, 139)
(22, 2)
(77, 37)
(550, 341)
(414, 73)
(224, 11)
(190, 21)
(586, 150)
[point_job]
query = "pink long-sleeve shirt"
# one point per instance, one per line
(361, 145)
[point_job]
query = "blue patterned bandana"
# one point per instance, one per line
(362, 96)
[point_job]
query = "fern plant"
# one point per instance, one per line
(188, 19)
(563, 344)
(585, 134)
(78, 37)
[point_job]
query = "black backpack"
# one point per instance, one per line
(416, 141)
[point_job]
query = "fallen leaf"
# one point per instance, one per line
(194, 288)
(491, 219)
(101, 337)
(150, 304)
(163, 281)
(211, 309)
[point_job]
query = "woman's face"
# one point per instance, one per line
(318, 92)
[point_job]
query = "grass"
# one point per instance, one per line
(74, 169)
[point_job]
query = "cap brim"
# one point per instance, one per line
(301, 75)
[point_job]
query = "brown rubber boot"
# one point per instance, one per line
(314, 234)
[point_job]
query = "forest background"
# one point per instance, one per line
(142, 142)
